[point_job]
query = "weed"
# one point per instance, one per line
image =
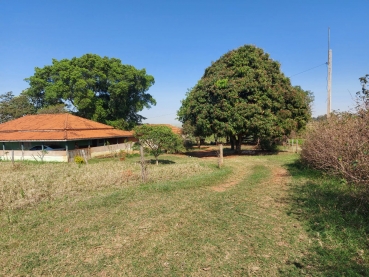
(79, 160)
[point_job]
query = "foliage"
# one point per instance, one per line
(12, 107)
(122, 155)
(340, 146)
(53, 109)
(363, 95)
(158, 138)
(320, 118)
(244, 93)
(100, 89)
(79, 160)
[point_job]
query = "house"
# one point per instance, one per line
(65, 130)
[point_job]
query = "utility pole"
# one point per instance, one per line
(329, 85)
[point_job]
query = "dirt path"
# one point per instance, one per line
(241, 170)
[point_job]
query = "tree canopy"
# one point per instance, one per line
(245, 93)
(100, 89)
(158, 138)
(12, 107)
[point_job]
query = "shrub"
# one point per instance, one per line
(340, 146)
(122, 155)
(268, 145)
(79, 160)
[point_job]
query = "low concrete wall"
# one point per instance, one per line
(49, 156)
(61, 156)
(111, 149)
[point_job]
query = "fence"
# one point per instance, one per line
(293, 145)
(65, 156)
(85, 153)
(107, 150)
(46, 156)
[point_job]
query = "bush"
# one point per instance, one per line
(122, 155)
(79, 160)
(268, 145)
(340, 146)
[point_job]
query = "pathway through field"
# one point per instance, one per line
(195, 226)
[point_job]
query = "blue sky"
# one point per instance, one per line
(176, 40)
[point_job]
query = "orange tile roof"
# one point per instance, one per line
(174, 129)
(56, 127)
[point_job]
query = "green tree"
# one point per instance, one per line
(244, 93)
(363, 95)
(100, 89)
(53, 109)
(157, 139)
(12, 107)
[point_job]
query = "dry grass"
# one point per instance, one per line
(178, 226)
(28, 183)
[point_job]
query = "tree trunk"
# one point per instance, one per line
(157, 161)
(232, 139)
(238, 144)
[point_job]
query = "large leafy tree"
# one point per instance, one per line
(98, 88)
(244, 93)
(12, 107)
(158, 138)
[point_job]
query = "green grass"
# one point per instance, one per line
(337, 222)
(262, 224)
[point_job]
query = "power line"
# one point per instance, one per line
(308, 69)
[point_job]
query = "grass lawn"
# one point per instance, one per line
(256, 216)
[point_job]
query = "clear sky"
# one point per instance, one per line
(176, 40)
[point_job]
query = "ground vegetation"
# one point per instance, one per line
(339, 145)
(256, 216)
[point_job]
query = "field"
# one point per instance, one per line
(259, 215)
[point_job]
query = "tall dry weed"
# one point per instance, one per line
(340, 146)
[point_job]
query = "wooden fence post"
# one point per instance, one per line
(143, 164)
(84, 156)
(220, 161)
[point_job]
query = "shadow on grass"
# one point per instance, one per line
(336, 221)
(227, 152)
(152, 161)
